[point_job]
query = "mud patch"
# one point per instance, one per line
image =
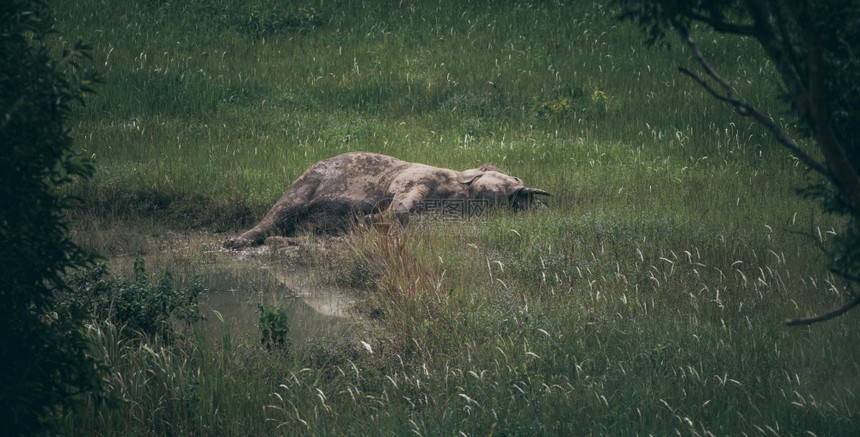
(234, 296)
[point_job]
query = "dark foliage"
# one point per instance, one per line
(44, 363)
(812, 44)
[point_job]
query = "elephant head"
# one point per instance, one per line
(490, 183)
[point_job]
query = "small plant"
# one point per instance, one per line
(274, 324)
(571, 101)
(560, 103)
(599, 101)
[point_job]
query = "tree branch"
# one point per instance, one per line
(722, 26)
(845, 275)
(746, 109)
(826, 316)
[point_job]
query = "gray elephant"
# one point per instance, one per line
(337, 192)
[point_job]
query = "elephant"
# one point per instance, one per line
(360, 186)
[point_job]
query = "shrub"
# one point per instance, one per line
(137, 305)
(45, 364)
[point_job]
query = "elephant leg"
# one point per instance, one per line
(404, 204)
(281, 218)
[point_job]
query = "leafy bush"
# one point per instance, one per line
(44, 364)
(136, 304)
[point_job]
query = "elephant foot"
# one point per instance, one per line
(281, 241)
(237, 243)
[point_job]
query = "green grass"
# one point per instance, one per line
(648, 299)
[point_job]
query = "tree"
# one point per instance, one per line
(43, 359)
(811, 44)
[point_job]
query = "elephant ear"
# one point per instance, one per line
(469, 176)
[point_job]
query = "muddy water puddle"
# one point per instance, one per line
(235, 292)
(237, 283)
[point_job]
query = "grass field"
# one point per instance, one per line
(649, 298)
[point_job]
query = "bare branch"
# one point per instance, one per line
(722, 26)
(836, 312)
(845, 275)
(826, 316)
(811, 237)
(710, 90)
(746, 109)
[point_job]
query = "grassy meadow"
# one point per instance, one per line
(648, 299)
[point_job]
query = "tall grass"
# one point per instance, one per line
(648, 299)
(207, 116)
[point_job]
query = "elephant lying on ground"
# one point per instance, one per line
(336, 192)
